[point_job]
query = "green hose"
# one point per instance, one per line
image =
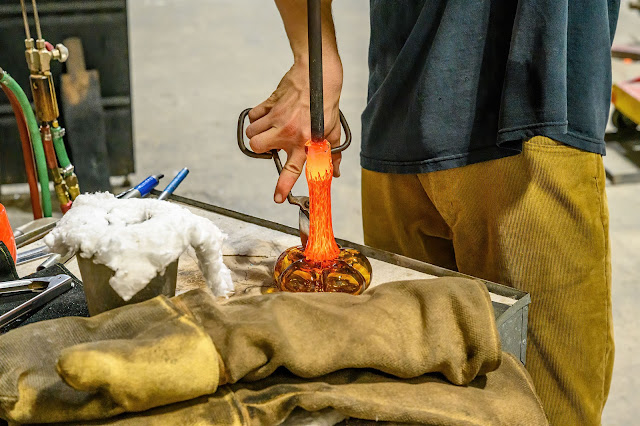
(36, 141)
(58, 144)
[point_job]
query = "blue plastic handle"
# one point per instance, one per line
(174, 183)
(147, 185)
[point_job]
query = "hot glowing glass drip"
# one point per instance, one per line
(322, 266)
(319, 171)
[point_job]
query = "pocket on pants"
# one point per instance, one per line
(545, 142)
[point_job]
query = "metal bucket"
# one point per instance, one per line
(102, 297)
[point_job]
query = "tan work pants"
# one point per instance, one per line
(537, 221)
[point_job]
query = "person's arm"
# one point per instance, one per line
(282, 121)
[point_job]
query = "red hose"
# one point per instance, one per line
(27, 154)
(49, 151)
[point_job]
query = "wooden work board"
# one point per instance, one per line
(250, 251)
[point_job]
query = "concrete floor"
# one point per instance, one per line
(196, 64)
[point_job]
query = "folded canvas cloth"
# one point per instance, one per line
(503, 397)
(168, 350)
(404, 328)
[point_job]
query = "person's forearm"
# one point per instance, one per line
(282, 121)
(294, 17)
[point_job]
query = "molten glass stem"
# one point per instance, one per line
(321, 245)
(322, 265)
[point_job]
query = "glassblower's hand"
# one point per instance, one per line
(283, 121)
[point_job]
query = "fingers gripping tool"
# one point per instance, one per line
(301, 201)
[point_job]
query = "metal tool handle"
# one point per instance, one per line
(55, 259)
(17, 286)
(34, 230)
(250, 153)
(62, 283)
(32, 254)
(316, 96)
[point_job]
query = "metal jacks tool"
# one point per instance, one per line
(47, 289)
(300, 201)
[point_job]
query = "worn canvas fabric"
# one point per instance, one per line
(165, 351)
(502, 397)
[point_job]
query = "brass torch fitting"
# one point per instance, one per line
(44, 97)
(39, 59)
(59, 184)
(72, 185)
(71, 180)
(31, 53)
(61, 189)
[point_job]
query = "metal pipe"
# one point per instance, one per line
(55, 258)
(37, 19)
(27, 31)
(33, 231)
(49, 151)
(316, 108)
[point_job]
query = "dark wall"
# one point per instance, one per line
(102, 27)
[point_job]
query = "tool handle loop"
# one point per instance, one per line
(250, 153)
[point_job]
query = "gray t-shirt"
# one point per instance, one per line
(456, 82)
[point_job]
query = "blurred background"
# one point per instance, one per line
(195, 64)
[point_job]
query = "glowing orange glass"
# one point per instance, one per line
(321, 265)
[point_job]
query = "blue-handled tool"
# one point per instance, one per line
(174, 184)
(143, 188)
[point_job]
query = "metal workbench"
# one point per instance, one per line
(254, 244)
